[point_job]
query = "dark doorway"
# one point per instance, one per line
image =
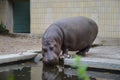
(21, 11)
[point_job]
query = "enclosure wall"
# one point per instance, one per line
(6, 14)
(104, 12)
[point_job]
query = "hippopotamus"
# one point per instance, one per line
(70, 34)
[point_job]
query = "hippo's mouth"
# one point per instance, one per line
(51, 63)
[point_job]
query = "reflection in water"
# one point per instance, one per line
(51, 73)
(48, 73)
(6, 75)
(38, 72)
(23, 74)
(55, 73)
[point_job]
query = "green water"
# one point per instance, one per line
(32, 71)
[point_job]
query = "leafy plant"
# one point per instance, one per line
(81, 69)
(3, 28)
(11, 77)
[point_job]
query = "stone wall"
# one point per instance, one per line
(44, 12)
(104, 12)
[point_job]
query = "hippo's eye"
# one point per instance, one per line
(44, 49)
(55, 45)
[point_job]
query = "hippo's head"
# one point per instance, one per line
(50, 52)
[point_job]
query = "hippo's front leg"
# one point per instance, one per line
(65, 54)
(65, 51)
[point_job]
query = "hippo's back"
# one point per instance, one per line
(77, 32)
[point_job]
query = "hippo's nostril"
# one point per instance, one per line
(45, 60)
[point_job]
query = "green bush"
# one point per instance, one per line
(3, 28)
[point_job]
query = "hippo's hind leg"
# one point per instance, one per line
(83, 51)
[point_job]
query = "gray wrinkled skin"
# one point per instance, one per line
(71, 34)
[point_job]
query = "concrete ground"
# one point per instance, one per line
(10, 44)
(107, 52)
(107, 55)
(109, 49)
(103, 57)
